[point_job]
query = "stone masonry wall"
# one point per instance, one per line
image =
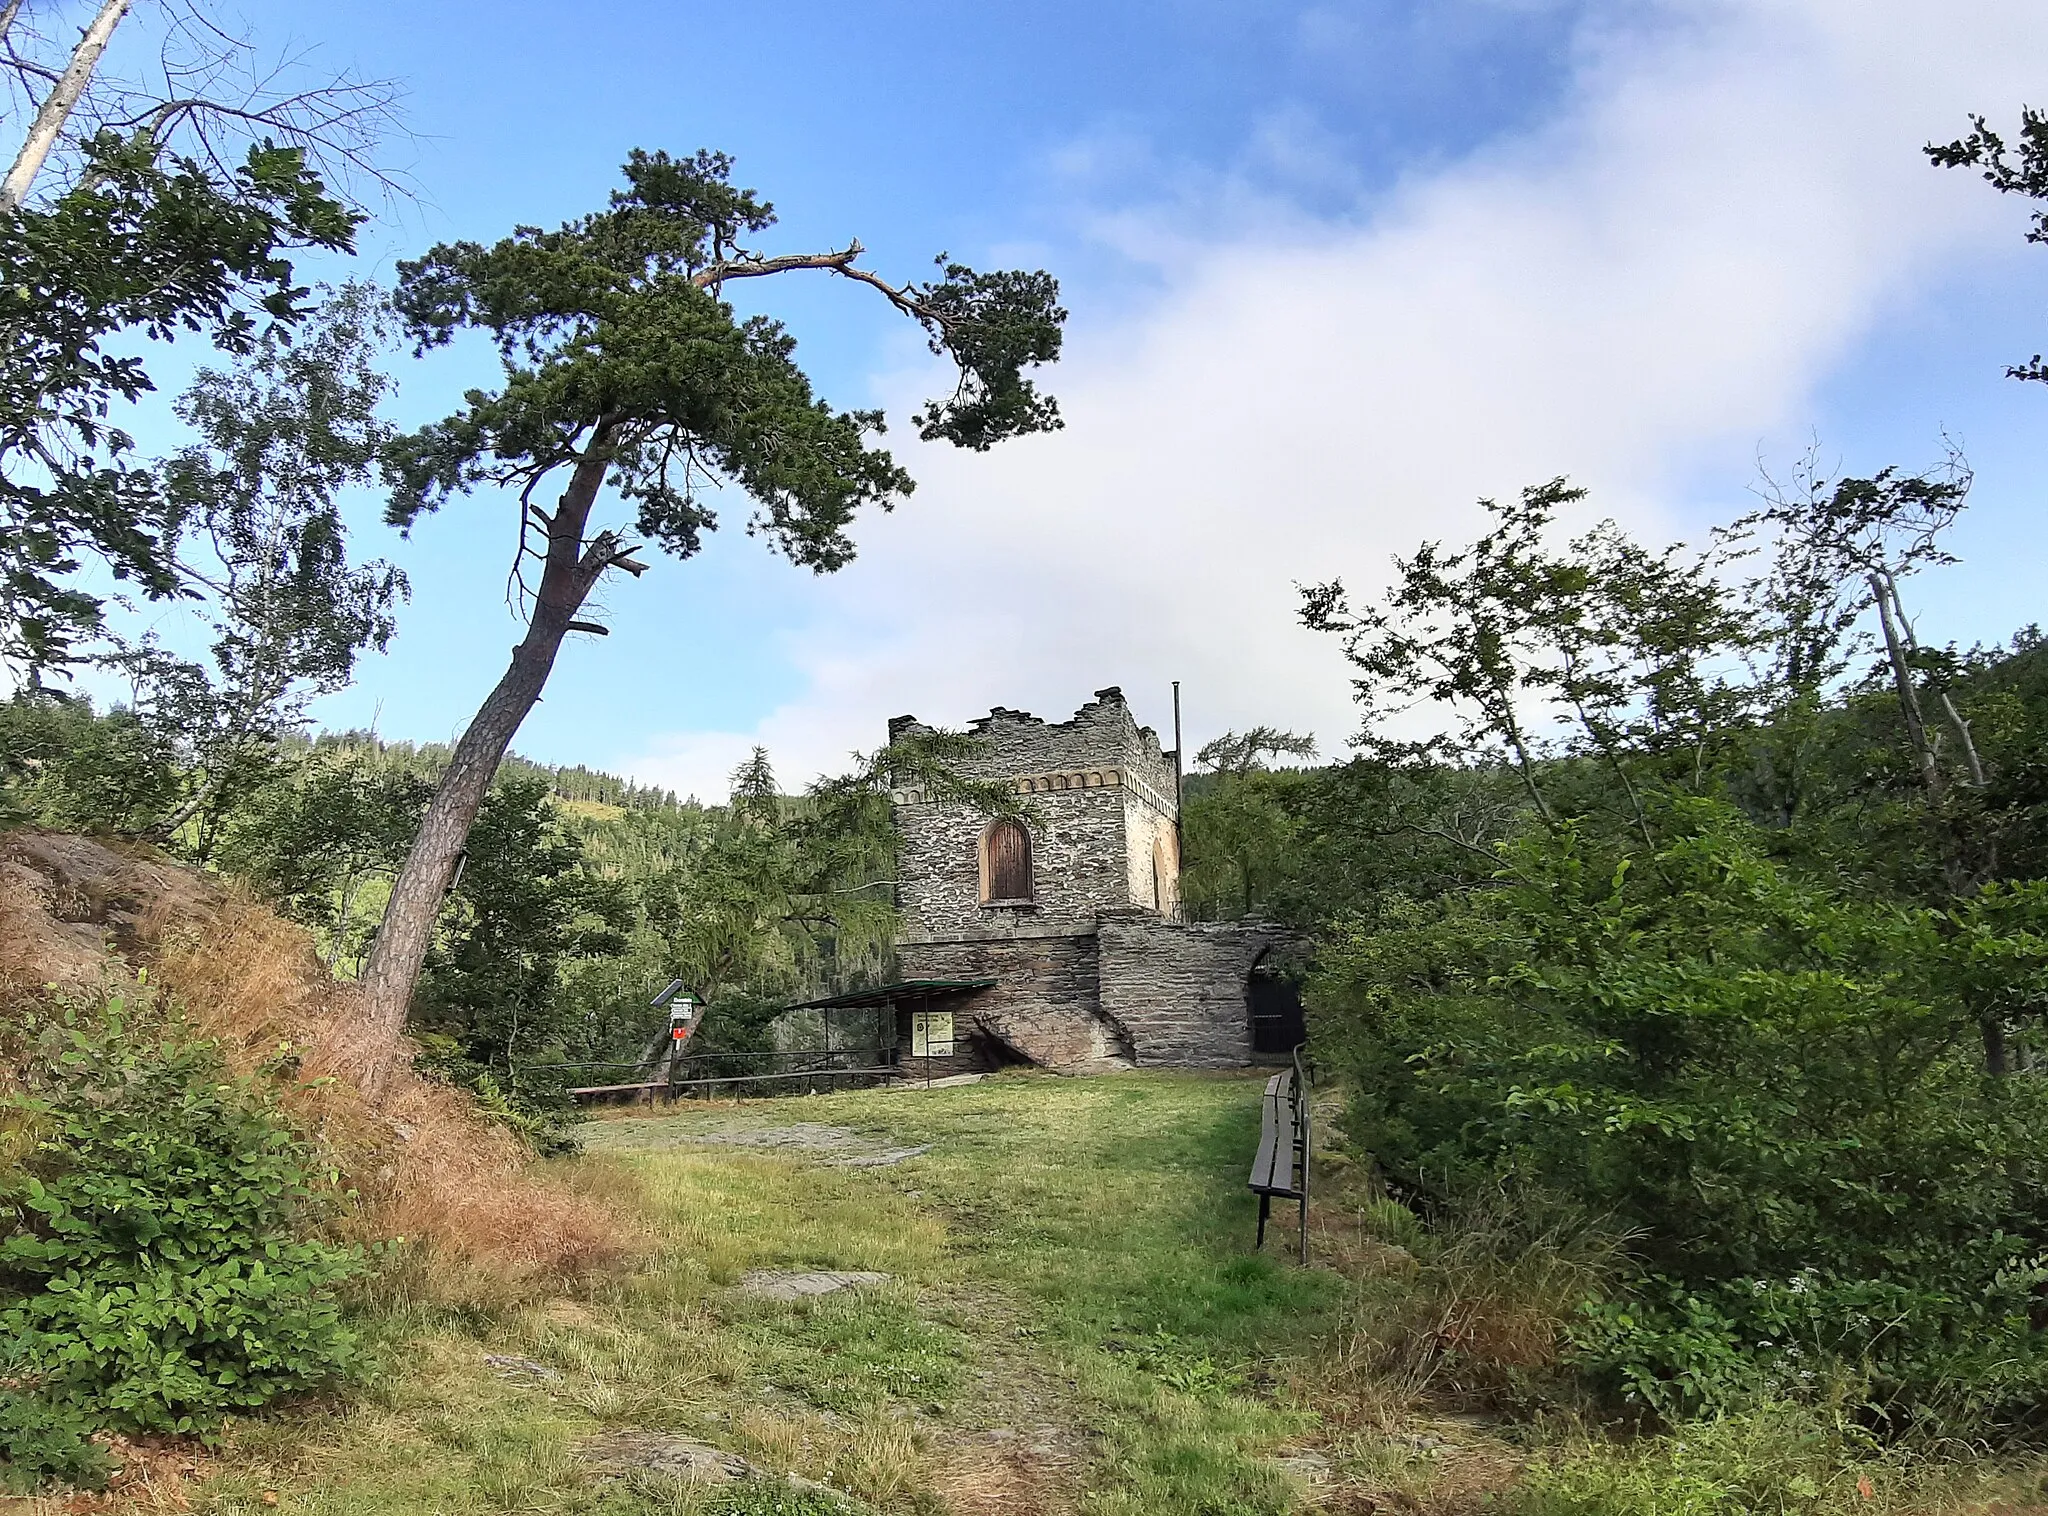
(1088, 974)
(1153, 844)
(1178, 991)
(1044, 1003)
(1102, 796)
(1100, 734)
(1077, 866)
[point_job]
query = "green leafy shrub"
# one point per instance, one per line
(156, 1267)
(1775, 1086)
(62, 765)
(47, 1441)
(532, 1103)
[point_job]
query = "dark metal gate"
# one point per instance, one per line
(1279, 1025)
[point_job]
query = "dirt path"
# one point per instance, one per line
(1015, 1438)
(1020, 1442)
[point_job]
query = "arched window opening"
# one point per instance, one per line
(1005, 863)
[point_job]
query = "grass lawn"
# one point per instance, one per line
(1075, 1319)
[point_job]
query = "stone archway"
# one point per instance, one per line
(1272, 1000)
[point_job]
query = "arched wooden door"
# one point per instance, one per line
(1005, 863)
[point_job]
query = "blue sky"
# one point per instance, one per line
(1335, 270)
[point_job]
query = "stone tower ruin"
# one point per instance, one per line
(1063, 930)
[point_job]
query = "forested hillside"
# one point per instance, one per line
(580, 893)
(564, 781)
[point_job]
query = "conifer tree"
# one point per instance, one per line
(626, 367)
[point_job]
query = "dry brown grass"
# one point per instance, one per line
(153, 1476)
(979, 1482)
(1443, 1328)
(1464, 1315)
(482, 1227)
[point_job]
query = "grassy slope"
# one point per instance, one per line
(1076, 1322)
(1073, 1276)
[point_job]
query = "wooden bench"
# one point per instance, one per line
(1280, 1167)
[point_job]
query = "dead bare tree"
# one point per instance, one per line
(205, 92)
(1878, 531)
(59, 102)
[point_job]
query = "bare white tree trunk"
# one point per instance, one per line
(1931, 779)
(42, 136)
(1948, 705)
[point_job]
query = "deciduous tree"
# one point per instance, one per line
(1612, 644)
(143, 200)
(256, 507)
(143, 243)
(2019, 168)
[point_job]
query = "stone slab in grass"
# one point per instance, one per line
(848, 1149)
(511, 1367)
(887, 1158)
(1307, 1466)
(810, 1135)
(617, 1454)
(835, 1145)
(806, 1284)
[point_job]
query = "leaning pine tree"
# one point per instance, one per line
(625, 366)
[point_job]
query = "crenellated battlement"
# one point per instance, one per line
(1102, 736)
(1101, 824)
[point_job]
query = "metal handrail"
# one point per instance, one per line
(705, 1057)
(819, 1063)
(1303, 1140)
(693, 1084)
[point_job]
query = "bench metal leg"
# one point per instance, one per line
(1265, 1210)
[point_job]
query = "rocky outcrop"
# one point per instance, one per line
(73, 907)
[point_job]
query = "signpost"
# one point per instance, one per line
(684, 1016)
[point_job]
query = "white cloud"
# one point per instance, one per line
(1727, 199)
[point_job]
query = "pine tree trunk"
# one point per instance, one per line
(56, 107)
(373, 1043)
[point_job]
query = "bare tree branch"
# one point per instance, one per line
(58, 104)
(208, 94)
(753, 266)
